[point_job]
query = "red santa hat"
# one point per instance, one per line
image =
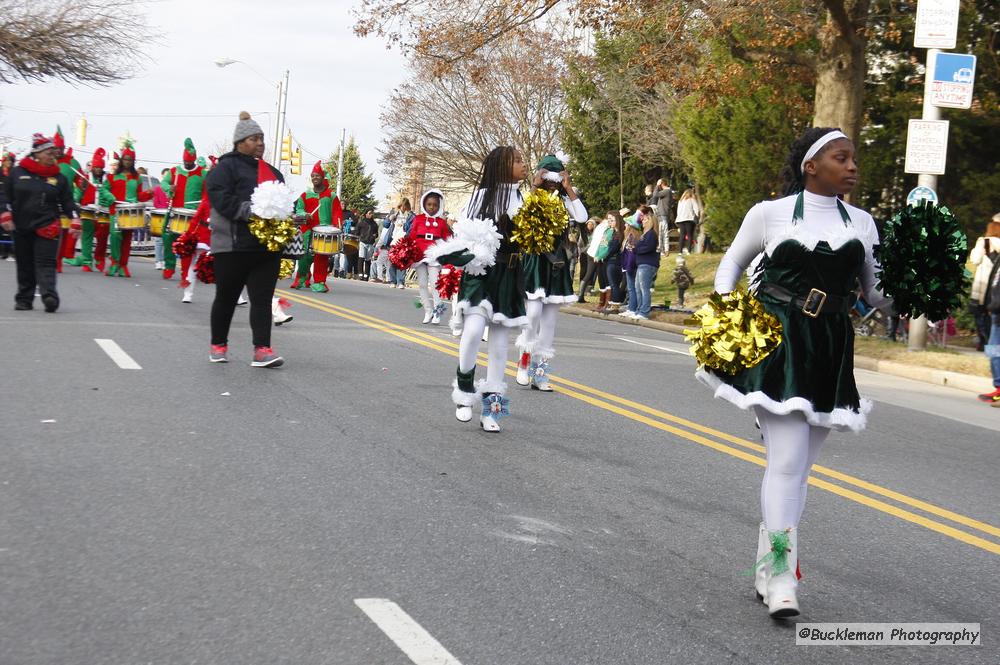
(190, 154)
(97, 161)
(40, 142)
(265, 173)
(58, 139)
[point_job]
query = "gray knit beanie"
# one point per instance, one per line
(246, 127)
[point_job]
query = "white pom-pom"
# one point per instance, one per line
(273, 200)
(562, 157)
(482, 239)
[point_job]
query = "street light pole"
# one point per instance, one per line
(280, 108)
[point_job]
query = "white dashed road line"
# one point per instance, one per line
(408, 635)
(117, 354)
(654, 346)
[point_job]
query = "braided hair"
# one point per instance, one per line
(791, 174)
(494, 192)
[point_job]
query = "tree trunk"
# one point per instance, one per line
(840, 72)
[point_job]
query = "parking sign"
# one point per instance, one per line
(954, 75)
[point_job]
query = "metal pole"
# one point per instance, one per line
(276, 139)
(621, 164)
(282, 119)
(918, 327)
(340, 163)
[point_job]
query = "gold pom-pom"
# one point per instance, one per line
(273, 233)
(244, 115)
(286, 268)
(736, 332)
(539, 222)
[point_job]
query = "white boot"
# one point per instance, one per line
(188, 292)
(780, 596)
(464, 401)
(523, 378)
(762, 570)
(427, 316)
(278, 313)
(495, 406)
(539, 372)
(436, 314)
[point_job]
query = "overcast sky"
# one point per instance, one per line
(337, 81)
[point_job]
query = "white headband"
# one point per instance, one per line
(551, 176)
(818, 145)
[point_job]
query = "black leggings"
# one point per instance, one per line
(686, 240)
(258, 271)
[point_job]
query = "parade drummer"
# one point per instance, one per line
(125, 186)
(36, 195)
(94, 236)
(184, 185)
(73, 172)
(315, 207)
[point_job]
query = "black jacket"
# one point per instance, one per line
(367, 230)
(230, 184)
(36, 201)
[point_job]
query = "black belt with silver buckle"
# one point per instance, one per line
(429, 236)
(813, 303)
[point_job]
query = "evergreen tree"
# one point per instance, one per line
(357, 186)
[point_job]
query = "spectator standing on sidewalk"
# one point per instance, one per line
(647, 259)
(662, 200)
(367, 235)
(688, 216)
(991, 302)
(595, 267)
(984, 255)
(613, 261)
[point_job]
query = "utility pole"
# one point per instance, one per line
(340, 162)
(621, 164)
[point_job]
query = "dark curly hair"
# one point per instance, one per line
(791, 174)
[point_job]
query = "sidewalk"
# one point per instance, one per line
(967, 382)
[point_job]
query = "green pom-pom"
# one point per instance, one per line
(922, 257)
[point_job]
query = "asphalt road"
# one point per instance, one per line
(187, 512)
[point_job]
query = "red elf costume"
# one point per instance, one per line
(125, 186)
(94, 240)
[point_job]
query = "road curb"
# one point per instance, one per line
(967, 382)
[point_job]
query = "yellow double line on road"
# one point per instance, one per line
(697, 433)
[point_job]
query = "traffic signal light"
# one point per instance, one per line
(286, 148)
(296, 161)
(81, 132)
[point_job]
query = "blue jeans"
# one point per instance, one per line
(633, 303)
(992, 349)
(645, 275)
(396, 276)
(157, 249)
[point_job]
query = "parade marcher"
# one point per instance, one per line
(125, 186)
(428, 227)
(36, 195)
(548, 281)
(73, 172)
(811, 250)
(184, 186)
(241, 260)
(6, 239)
(493, 298)
(94, 232)
(160, 201)
(314, 208)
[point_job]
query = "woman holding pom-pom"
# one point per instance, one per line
(241, 259)
(491, 292)
(813, 249)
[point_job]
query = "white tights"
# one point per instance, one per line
(468, 348)
(427, 277)
(792, 447)
(190, 276)
(541, 330)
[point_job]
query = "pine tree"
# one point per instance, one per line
(357, 186)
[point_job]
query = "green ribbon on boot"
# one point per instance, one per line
(777, 557)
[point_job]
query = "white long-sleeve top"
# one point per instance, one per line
(688, 209)
(577, 211)
(769, 223)
(514, 201)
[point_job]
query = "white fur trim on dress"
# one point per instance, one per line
(485, 309)
(483, 386)
(477, 236)
(540, 294)
(462, 398)
(524, 343)
(838, 419)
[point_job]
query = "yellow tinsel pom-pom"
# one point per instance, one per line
(273, 233)
(736, 332)
(539, 222)
(286, 268)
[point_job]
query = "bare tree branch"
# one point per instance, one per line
(77, 41)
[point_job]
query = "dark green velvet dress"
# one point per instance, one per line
(812, 370)
(547, 281)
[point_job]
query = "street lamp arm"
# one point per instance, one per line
(225, 62)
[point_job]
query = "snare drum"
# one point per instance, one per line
(180, 220)
(351, 244)
(327, 240)
(103, 215)
(130, 216)
(157, 218)
(65, 222)
(88, 213)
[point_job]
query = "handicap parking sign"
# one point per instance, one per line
(954, 75)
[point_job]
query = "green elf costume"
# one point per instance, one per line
(124, 186)
(317, 206)
(184, 187)
(90, 195)
(73, 172)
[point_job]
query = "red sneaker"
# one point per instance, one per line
(167, 273)
(125, 272)
(217, 353)
(990, 398)
(87, 269)
(264, 356)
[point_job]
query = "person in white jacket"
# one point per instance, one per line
(688, 215)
